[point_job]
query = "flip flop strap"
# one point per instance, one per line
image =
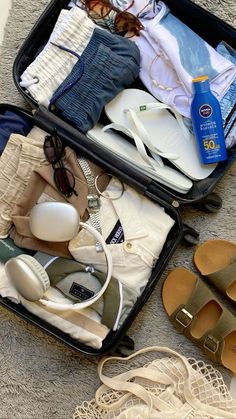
(223, 278)
(138, 142)
(144, 136)
(155, 105)
(160, 105)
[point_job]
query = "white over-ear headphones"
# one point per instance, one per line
(30, 278)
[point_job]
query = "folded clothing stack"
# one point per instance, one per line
(73, 30)
(84, 326)
(135, 230)
(41, 188)
(172, 55)
(109, 64)
(18, 160)
(81, 68)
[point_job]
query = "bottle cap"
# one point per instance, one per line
(201, 84)
(200, 78)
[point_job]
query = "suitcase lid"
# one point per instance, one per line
(211, 28)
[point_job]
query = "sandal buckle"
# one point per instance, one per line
(211, 344)
(184, 317)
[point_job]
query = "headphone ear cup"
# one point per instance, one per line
(38, 269)
(28, 277)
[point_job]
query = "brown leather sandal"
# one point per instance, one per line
(216, 260)
(196, 312)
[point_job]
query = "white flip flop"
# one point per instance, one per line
(149, 122)
(128, 152)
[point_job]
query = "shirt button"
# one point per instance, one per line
(129, 245)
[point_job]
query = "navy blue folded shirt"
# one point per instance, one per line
(13, 123)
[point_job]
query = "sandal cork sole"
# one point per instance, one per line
(176, 291)
(214, 255)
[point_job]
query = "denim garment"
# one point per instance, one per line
(12, 122)
(228, 102)
(111, 63)
(231, 137)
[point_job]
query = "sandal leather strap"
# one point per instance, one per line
(223, 278)
(184, 315)
(212, 342)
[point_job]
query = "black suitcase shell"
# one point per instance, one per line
(114, 341)
(212, 30)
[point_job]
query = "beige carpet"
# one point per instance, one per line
(39, 376)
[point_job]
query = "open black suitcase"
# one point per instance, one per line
(213, 30)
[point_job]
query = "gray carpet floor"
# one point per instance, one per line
(39, 376)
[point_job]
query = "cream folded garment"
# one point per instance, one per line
(84, 326)
(135, 230)
(50, 68)
(19, 158)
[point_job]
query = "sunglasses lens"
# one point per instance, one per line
(97, 9)
(120, 22)
(125, 21)
(53, 149)
(64, 181)
(116, 20)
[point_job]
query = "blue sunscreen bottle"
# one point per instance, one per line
(207, 123)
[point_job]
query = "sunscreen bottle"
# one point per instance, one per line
(207, 123)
